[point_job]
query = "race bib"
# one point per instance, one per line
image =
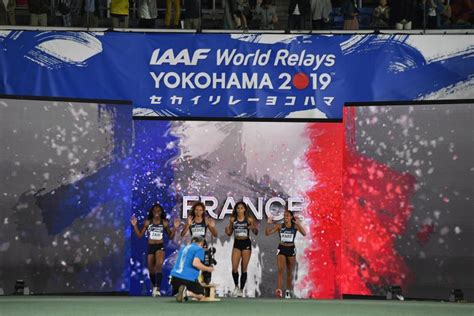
(288, 238)
(156, 235)
(241, 233)
(198, 231)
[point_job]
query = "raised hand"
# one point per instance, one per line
(269, 219)
(190, 220)
(211, 222)
(176, 223)
(297, 221)
(133, 220)
(228, 228)
(255, 224)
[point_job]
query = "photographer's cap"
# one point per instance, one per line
(197, 239)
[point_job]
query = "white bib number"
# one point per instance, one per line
(288, 238)
(198, 231)
(241, 233)
(156, 235)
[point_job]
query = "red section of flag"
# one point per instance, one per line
(359, 207)
(376, 209)
(324, 157)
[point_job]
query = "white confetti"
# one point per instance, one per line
(444, 231)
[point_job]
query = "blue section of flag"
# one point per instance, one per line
(153, 151)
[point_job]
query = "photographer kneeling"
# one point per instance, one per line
(185, 273)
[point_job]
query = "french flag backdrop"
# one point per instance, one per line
(383, 196)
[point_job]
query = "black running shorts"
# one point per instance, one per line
(287, 251)
(243, 244)
(152, 248)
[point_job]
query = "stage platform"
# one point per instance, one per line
(124, 305)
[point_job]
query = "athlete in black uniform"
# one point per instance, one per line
(240, 224)
(155, 225)
(286, 252)
(197, 223)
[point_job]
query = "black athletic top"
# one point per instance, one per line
(198, 229)
(155, 231)
(241, 229)
(287, 235)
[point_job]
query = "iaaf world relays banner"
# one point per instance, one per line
(257, 80)
(236, 75)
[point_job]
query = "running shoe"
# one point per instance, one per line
(156, 292)
(400, 297)
(236, 292)
(287, 294)
(181, 296)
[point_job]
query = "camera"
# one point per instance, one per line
(209, 261)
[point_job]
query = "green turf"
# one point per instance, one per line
(44, 305)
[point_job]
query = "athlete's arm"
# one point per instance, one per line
(300, 227)
(166, 225)
(271, 230)
(253, 225)
(172, 233)
(211, 224)
(230, 228)
(186, 227)
(139, 232)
